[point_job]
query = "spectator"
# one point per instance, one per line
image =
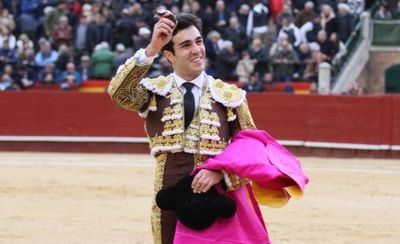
(226, 62)
(347, 22)
(220, 16)
(27, 58)
(7, 55)
(62, 32)
(197, 10)
(254, 84)
(293, 33)
(244, 68)
(7, 19)
(305, 15)
(329, 21)
(6, 35)
(310, 30)
(84, 68)
(41, 28)
(98, 31)
(356, 7)
(64, 57)
(108, 14)
(87, 11)
(53, 15)
(143, 39)
(382, 13)
(283, 62)
(23, 43)
(396, 11)
(22, 77)
(304, 69)
(235, 33)
(121, 54)
(70, 78)
(6, 81)
(298, 5)
(28, 24)
(30, 7)
(80, 42)
(339, 45)
(243, 16)
(160, 67)
(258, 21)
(46, 55)
(259, 55)
(212, 44)
(208, 19)
(328, 49)
(102, 61)
(285, 13)
(125, 29)
(105, 30)
(140, 15)
(48, 75)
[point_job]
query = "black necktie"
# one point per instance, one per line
(188, 101)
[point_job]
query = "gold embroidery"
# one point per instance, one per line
(205, 101)
(245, 119)
(171, 125)
(177, 109)
(227, 94)
(160, 85)
(192, 136)
(205, 115)
(235, 182)
(208, 130)
(156, 212)
(211, 147)
(199, 159)
(165, 143)
(175, 96)
(125, 89)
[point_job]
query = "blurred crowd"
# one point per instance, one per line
(67, 42)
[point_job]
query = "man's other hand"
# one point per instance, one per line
(205, 179)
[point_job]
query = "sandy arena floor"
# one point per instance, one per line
(105, 198)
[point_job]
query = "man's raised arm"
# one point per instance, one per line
(125, 89)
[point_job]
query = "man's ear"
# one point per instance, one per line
(168, 55)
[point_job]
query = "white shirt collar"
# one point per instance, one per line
(198, 81)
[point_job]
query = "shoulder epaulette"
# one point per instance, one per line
(227, 94)
(160, 85)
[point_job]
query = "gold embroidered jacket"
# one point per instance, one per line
(222, 111)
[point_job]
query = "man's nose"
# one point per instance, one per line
(195, 49)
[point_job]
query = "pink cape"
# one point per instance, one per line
(276, 175)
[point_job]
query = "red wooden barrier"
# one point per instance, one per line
(343, 119)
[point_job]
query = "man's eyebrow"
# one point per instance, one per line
(189, 41)
(184, 43)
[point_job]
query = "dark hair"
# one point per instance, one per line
(184, 20)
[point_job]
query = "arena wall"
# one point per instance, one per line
(89, 122)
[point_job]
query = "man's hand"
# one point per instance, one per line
(205, 179)
(162, 33)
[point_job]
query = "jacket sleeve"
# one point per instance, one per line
(125, 88)
(244, 117)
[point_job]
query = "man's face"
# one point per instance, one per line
(188, 59)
